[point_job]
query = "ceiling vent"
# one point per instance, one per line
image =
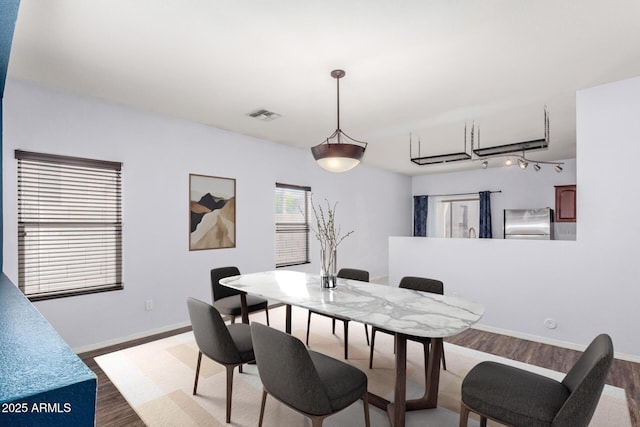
(264, 115)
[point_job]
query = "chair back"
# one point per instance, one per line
(585, 381)
(422, 284)
(354, 274)
(219, 291)
(211, 333)
(287, 371)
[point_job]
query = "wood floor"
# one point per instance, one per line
(113, 409)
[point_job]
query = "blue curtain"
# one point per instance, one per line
(420, 215)
(485, 215)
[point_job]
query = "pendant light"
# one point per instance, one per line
(339, 152)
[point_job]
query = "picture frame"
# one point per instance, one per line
(212, 212)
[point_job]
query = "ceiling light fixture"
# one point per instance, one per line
(339, 152)
(523, 161)
(523, 164)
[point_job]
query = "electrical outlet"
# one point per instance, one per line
(148, 305)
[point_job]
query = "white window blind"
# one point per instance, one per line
(69, 225)
(292, 224)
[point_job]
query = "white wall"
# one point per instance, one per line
(158, 153)
(589, 285)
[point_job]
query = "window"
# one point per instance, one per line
(453, 216)
(69, 225)
(292, 225)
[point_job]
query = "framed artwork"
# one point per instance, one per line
(212, 212)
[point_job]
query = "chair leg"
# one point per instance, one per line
(366, 333)
(373, 341)
(346, 338)
(365, 404)
(264, 401)
(308, 327)
(333, 326)
(316, 421)
(444, 361)
(464, 415)
(233, 319)
(229, 390)
(266, 311)
(483, 421)
(195, 382)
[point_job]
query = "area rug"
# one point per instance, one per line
(157, 379)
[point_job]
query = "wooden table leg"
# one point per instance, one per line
(244, 308)
(397, 410)
(432, 379)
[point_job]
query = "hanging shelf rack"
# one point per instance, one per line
(516, 147)
(440, 158)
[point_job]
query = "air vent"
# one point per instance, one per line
(264, 115)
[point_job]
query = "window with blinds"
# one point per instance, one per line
(292, 225)
(69, 225)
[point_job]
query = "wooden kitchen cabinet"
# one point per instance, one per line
(565, 203)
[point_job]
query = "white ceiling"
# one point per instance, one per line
(423, 67)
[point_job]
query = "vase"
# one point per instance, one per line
(328, 268)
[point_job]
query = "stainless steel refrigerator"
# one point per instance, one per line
(532, 224)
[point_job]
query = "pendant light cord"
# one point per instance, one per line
(338, 107)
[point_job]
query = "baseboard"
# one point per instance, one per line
(507, 332)
(549, 341)
(144, 334)
(131, 337)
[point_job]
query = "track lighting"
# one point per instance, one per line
(523, 164)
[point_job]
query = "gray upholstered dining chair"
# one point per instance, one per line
(521, 398)
(227, 300)
(344, 273)
(230, 346)
(311, 383)
(422, 284)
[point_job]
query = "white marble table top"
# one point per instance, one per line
(399, 310)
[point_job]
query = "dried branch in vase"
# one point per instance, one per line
(326, 232)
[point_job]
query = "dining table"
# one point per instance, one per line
(407, 313)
